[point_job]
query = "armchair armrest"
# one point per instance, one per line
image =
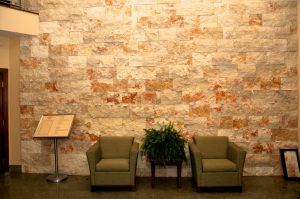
(237, 155)
(196, 157)
(133, 161)
(93, 155)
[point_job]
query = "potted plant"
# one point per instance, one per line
(164, 145)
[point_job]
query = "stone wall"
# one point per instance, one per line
(214, 67)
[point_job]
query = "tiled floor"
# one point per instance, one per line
(34, 186)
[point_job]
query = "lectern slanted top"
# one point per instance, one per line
(54, 126)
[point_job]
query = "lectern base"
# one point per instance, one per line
(56, 179)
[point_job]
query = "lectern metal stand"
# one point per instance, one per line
(56, 177)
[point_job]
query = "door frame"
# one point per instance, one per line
(5, 118)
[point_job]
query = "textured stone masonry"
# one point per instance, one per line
(214, 67)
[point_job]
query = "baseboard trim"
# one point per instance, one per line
(15, 168)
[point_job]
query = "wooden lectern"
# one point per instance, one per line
(55, 126)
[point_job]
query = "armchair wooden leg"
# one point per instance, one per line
(240, 189)
(93, 188)
(198, 190)
(133, 188)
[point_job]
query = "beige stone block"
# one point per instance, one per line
(135, 85)
(57, 4)
(159, 84)
(291, 59)
(232, 20)
(171, 111)
(35, 76)
(167, 34)
(39, 51)
(138, 35)
(143, 2)
(93, 98)
(169, 97)
(136, 72)
(247, 45)
(264, 135)
(289, 83)
(90, 3)
(61, 37)
(225, 45)
(102, 61)
(144, 73)
(254, 32)
(279, 45)
(145, 111)
(226, 132)
(136, 60)
(76, 25)
(124, 72)
(205, 45)
(109, 111)
(134, 127)
(37, 163)
(258, 159)
(276, 58)
(115, 15)
(292, 44)
(178, 71)
(196, 96)
(180, 84)
(209, 21)
(274, 102)
(195, 8)
(49, 27)
(153, 59)
(67, 74)
(73, 86)
(76, 38)
(73, 164)
(132, 45)
(264, 171)
(107, 125)
(201, 59)
(275, 20)
(222, 58)
(85, 50)
(256, 6)
(77, 61)
(246, 68)
(195, 72)
(61, 14)
(168, 1)
(270, 71)
(95, 12)
(194, 124)
(284, 135)
(32, 146)
(265, 58)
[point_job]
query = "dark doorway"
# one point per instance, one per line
(4, 158)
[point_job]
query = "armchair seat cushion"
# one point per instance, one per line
(218, 165)
(113, 165)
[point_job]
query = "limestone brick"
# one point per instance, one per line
(49, 27)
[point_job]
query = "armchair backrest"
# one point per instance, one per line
(212, 146)
(116, 146)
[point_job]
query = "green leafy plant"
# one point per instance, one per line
(165, 144)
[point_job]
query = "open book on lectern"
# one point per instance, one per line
(51, 126)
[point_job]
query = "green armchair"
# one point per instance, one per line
(112, 161)
(216, 162)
